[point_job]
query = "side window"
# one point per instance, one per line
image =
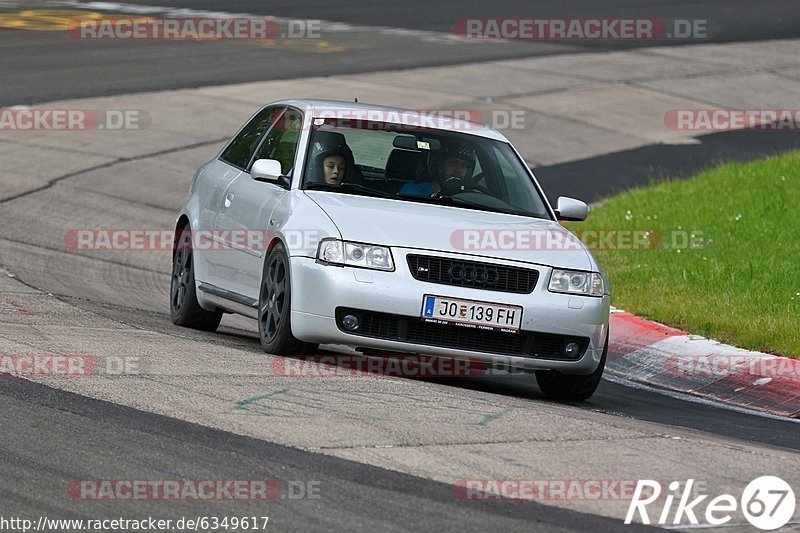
(241, 149)
(281, 141)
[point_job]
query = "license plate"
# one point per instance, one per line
(472, 314)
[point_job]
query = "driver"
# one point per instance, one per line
(459, 157)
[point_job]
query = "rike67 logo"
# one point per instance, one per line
(766, 502)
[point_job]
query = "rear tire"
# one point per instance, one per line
(184, 309)
(275, 307)
(558, 386)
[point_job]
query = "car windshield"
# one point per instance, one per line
(420, 165)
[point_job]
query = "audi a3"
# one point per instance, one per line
(391, 231)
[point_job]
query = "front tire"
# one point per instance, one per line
(184, 309)
(558, 386)
(275, 306)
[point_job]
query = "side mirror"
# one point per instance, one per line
(269, 170)
(571, 209)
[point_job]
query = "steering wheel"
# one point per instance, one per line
(452, 186)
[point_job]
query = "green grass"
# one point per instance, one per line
(740, 282)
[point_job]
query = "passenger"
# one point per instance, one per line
(332, 163)
(334, 168)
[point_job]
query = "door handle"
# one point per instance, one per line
(228, 199)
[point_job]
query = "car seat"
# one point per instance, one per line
(405, 166)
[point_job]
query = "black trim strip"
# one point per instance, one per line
(229, 295)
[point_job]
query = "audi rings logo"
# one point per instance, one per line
(474, 274)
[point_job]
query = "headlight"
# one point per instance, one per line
(576, 282)
(356, 254)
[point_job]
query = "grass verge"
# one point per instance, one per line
(723, 259)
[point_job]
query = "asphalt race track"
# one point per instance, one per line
(738, 20)
(205, 405)
(51, 65)
(358, 497)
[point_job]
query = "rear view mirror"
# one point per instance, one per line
(410, 142)
(571, 209)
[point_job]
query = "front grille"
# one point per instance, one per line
(472, 274)
(417, 331)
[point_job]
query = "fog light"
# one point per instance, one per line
(350, 322)
(571, 349)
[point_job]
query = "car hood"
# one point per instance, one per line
(409, 224)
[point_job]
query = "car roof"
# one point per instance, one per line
(398, 115)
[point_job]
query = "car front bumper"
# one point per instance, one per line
(319, 289)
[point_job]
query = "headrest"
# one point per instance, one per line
(327, 140)
(407, 165)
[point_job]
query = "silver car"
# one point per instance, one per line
(392, 231)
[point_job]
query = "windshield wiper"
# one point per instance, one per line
(466, 203)
(426, 199)
(459, 202)
(349, 188)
